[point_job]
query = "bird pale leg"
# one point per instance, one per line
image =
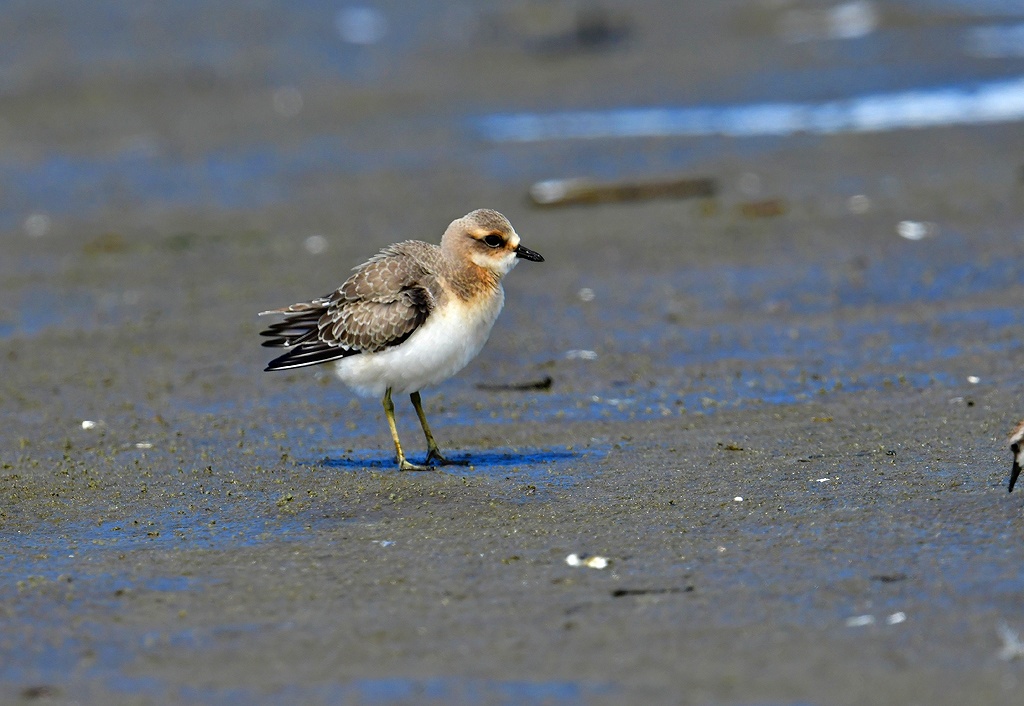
(389, 412)
(432, 451)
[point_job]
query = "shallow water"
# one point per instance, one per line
(994, 102)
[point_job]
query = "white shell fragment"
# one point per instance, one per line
(89, 424)
(315, 244)
(915, 230)
(587, 560)
(847, 20)
(554, 190)
(858, 204)
(1013, 647)
(859, 621)
(896, 618)
(37, 225)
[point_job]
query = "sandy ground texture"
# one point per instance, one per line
(780, 413)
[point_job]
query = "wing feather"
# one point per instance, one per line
(379, 306)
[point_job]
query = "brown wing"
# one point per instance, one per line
(379, 306)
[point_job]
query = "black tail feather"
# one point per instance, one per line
(304, 355)
(293, 331)
(300, 331)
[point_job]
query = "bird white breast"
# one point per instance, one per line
(450, 337)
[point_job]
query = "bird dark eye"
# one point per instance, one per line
(493, 240)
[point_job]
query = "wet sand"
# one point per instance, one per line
(781, 422)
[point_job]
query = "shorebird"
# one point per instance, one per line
(1016, 439)
(411, 316)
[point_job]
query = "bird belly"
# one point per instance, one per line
(450, 337)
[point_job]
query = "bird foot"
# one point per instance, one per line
(404, 465)
(435, 455)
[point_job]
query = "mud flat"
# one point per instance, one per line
(779, 412)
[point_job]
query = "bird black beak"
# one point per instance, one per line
(1015, 471)
(527, 254)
